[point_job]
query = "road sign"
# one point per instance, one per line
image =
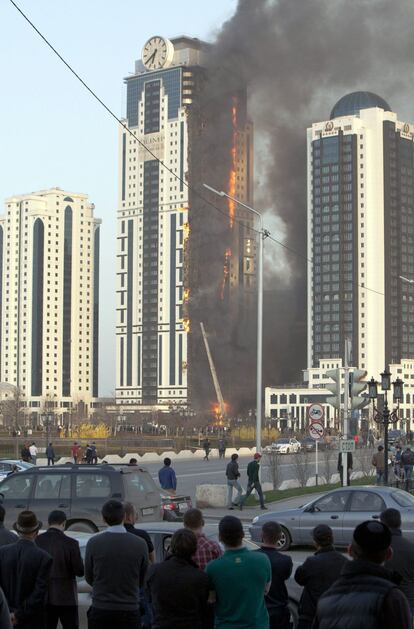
(347, 445)
(316, 430)
(315, 412)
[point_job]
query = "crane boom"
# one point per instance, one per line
(213, 373)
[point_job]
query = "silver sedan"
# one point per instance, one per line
(341, 509)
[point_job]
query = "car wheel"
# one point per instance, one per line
(285, 540)
(294, 612)
(82, 527)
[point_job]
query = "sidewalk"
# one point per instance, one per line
(249, 513)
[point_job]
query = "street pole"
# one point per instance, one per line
(316, 462)
(344, 455)
(259, 367)
(386, 419)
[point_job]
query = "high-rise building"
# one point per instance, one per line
(49, 296)
(179, 261)
(361, 234)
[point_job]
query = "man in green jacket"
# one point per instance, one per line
(253, 481)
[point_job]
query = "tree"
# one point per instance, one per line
(11, 404)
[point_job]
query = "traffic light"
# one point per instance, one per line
(334, 387)
(357, 384)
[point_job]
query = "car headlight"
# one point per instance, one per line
(256, 519)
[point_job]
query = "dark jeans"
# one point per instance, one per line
(113, 619)
(305, 624)
(50, 461)
(67, 614)
(280, 619)
(257, 486)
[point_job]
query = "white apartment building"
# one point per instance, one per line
(49, 319)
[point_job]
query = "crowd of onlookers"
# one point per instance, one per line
(202, 583)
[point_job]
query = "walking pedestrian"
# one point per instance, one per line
(115, 567)
(33, 453)
(253, 481)
(222, 448)
(239, 581)
(24, 574)
(378, 461)
(75, 452)
(130, 519)
(25, 453)
(94, 454)
(167, 477)
(62, 598)
(88, 454)
(402, 560)
(233, 475)
(350, 464)
(318, 573)
(50, 454)
(365, 594)
(206, 448)
(6, 536)
(371, 439)
(407, 461)
(207, 549)
(277, 598)
(397, 462)
(5, 622)
(178, 590)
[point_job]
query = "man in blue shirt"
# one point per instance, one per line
(167, 477)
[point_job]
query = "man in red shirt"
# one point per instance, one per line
(207, 549)
(75, 452)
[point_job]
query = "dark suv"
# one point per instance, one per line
(80, 491)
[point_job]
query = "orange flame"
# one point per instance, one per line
(226, 272)
(186, 325)
(233, 168)
(186, 231)
(186, 295)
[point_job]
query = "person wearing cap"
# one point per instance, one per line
(378, 461)
(318, 573)
(24, 574)
(253, 481)
(239, 581)
(366, 595)
(402, 561)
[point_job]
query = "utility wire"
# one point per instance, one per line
(167, 168)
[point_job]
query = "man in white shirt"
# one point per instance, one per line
(33, 453)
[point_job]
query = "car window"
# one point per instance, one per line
(366, 501)
(138, 483)
(5, 467)
(17, 487)
(332, 502)
(403, 498)
(166, 543)
(92, 486)
(50, 486)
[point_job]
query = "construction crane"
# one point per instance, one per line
(221, 404)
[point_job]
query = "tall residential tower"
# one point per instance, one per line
(179, 261)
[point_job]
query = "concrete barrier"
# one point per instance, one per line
(356, 475)
(311, 482)
(211, 496)
(335, 478)
(289, 484)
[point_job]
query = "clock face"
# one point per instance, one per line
(157, 53)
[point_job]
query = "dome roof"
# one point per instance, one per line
(351, 104)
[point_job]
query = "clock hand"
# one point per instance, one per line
(152, 56)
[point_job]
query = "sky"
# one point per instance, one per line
(53, 133)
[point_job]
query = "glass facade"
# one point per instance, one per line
(96, 312)
(67, 302)
(170, 80)
(334, 246)
(130, 302)
(173, 283)
(37, 307)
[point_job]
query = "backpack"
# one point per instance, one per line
(408, 457)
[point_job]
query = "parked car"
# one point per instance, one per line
(308, 444)
(80, 491)
(342, 509)
(7, 466)
(174, 506)
(161, 534)
(284, 445)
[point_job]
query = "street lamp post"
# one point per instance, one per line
(263, 233)
(386, 416)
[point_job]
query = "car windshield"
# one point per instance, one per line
(403, 498)
(281, 441)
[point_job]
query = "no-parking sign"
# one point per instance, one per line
(316, 430)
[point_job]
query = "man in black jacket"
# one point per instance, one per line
(277, 597)
(402, 561)
(365, 595)
(178, 589)
(62, 601)
(318, 573)
(24, 575)
(6, 536)
(233, 475)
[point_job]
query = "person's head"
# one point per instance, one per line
(257, 456)
(407, 448)
(322, 536)
(398, 447)
(371, 542)
(57, 519)
(50, 443)
(75, 443)
(271, 533)
(2, 514)
(380, 448)
(113, 512)
(133, 461)
(27, 525)
(130, 516)
(183, 544)
(234, 457)
(391, 518)
(193, 520)
(167, 461)
(231, 531)
(33, 443)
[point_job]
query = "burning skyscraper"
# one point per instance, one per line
(180, 260)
